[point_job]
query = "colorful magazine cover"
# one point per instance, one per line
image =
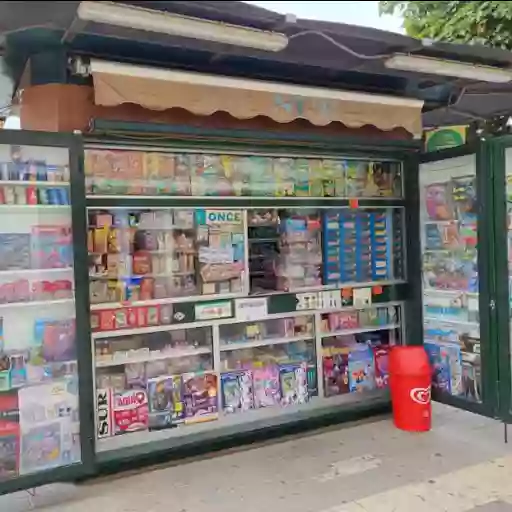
(294, 384)
(361, 369)
(267, 388)
(200, 396)
(438, 201)
(237, 392)
(166, 407)
(441, 378)
(336, 373)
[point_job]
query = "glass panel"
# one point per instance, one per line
(273, 362)
(149, 379)
(39, 423)
(450, 275)
(299, 249)
(130, 172)
(355, 349)
(151, 254)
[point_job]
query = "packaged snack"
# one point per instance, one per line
(335, 365)
(9, 435)
(294, 384)
(130, 411)
(381, 355)
(166, 406)
(200, 396)
(237, 392)
(361, 367)
(267, 388)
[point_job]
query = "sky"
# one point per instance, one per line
(353, 13)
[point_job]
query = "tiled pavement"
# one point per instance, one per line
(462, 465)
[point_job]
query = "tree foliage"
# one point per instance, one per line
(474, 22)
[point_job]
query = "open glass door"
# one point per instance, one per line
(43, 315)
(456, 291)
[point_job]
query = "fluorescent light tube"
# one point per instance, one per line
(449, 68)
(149, 20)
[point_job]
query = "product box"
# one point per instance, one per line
(441, 379)
(166, 406)
(294, 384)
(130, 411)
(9, 435)
(335, 365)
(237, 391)
(200, 396)
(361, 369)
(267, 387)
(381, 356)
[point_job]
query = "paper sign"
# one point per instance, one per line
(216, 255)
(247, 310)
(213, 310)
(362, 297)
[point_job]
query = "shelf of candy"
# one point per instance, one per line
(158, 346)
(277, 375)
(141, 255)
(221, 251)
(454, 355)
(450, 236)
(299, 264)
(263, 238)
(347, 322)
(27, 181)
(266, 332)
(134, 172)
(357, 246)
(156, 381)
(355, 363)
(39, 421)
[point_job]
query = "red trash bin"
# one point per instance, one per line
(410, 381)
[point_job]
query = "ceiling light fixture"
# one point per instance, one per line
(149, 20)
(443, 67)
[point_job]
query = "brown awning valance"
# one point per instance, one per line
(201, 94)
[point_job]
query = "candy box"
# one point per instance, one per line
(441, 377)
(294, 384)
(361, 368)
(267, 388)
(200, 396)
(237, 392)
(381, 356)
(335, 365)
(166, 406)
(130, 411)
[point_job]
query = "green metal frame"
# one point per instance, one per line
(497, 169)
(84, 356)
(487, 277)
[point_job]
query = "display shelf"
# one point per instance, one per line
(361, 330)
(34, 207)
(252, 419)
(27, 183)
(263, 343)
(148, 358)
(139, 330)
(36, 271)
(37, 303)
(443, 320)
